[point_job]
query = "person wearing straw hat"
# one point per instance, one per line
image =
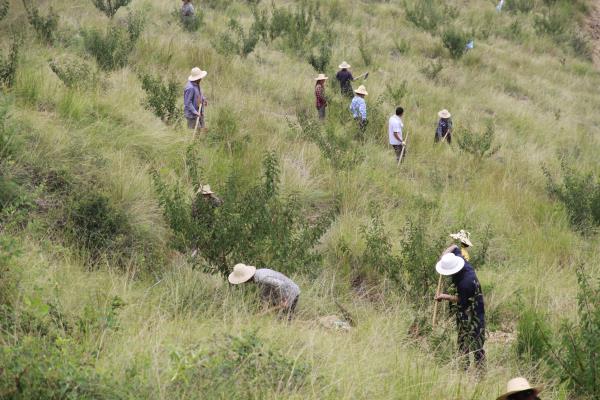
(470, 319)
(464, 238)
(193, 99)
(358, 107)
(520, 389)
(395, 127)
(320, 95)
(204, 207)
(276, 289)
(209, 196)
(345, 78)
(444, 128)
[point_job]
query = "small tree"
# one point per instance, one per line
(45, 26)
(480, 145)
(161, 98)
(8, 65)
(455, 41)
(237, 41)
(321, 60)
(4, 5)
(110, 7)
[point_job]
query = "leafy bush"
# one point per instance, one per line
(532, 334)
(579, 192)
(455, 41)
(429, 15)
(339, 150)
(576, 356)
(254, 224)
(397, 93)
(522, 6)
(378, 255)
(236, 367)
(112, 47)
(110, 7)
(73, 71)
(45, 27)
(225, 130)
(365, 54)
(8, 65)
(480, 145)
(36, 368)
(580, 43)
(321, 60)
(4, 5)
(551, 22)
(433, 69)
(162, 98)
(237, 41)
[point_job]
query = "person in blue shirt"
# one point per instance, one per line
(470, 318)
(358, 107)
(194, 101)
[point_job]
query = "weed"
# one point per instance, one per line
(429, 15)
(532, 331)
(237, 41)
(321, 61)
(378, 256)
(551, 22)
(433, 69)
(401, 46)
(8, 65)
(73, 71)
(44, 26)
(580, 43)
(397, 93)
(236, 367)
(8, 282)
(363, 43)
(455, 40)
(4, 6)
(110, 7)
(522, 6)
(480, 258)
(480, 145)
(162, 98)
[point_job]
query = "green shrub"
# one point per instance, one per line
(4, 6)
(162, 98)
(455, 40)
(576, 356)
(44, 26)
(378, 256)
(551, 22)
(522, 6)
(430, 15)
(35, 368)
(236, 367)
(579, 192)
(73, 71)
(321, 60)
(581, 45)
(254, 223)
(339, 150)
(480, 145)
(532, 333)
(112, 47)
(110, 7)
(397, 93)
(237, 41)
(225, 130)
(433, 69)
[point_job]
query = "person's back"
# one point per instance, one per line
(187, 9)
(358, 108)
(276, 287)
(345, 78)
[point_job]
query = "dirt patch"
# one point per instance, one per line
(593, 30)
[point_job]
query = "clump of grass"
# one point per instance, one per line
(429, 15)
(532, 335)
(455, 40)
(44, 26)
(433, 69)
(397, 93)
(479, 145)
(162, 98)
(110, 7)
(363, 48)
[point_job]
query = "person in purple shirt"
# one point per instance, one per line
(193, 99)
(470, 318)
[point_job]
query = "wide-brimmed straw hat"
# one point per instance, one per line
(517, 385)
(361, 90)
(241, 273)
(196, 74)
(444, 114)
(449, 264)
(344, 65)
(463, 236)
(205, 189)
(321, 77)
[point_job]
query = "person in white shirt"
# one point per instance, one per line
(395, 131)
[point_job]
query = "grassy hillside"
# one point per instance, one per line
(101, 297)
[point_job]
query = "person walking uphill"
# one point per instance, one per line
(358, 107)
(276, 288)
(470, 320)
(320, 95)
(345, 78)
(395, 128)
(193, 99)
(444, 128)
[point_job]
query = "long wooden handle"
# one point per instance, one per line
(402, 152)
(196, 127)
(435, 306)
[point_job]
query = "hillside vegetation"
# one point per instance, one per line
(111, 287)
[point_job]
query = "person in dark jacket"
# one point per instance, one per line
(470, 319)
(345, 78)
(444, 128)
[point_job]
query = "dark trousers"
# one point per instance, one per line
(289, 312)
(321, 111)
(398, 150)
(471, 337)
(437, 138)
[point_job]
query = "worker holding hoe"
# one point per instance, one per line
(194, 100)
(469, 299)
(345, 78)
(276, 289)
(444, 128)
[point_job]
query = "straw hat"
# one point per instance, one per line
(361, 90)
(444, 114)
(196, 74)
(463, 236)
(449, 264)
(344, 65)
(321, 77)
(517, 385)
(205, 189)
(241, 273)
